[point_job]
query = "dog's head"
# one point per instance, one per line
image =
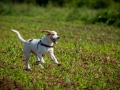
(53, 35)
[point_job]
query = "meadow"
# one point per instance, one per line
(89, 53)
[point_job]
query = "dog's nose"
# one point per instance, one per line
(58, 37)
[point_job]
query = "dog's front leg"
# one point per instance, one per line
(39, 62)
(39, 56)
(52, 56)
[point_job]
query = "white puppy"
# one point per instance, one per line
(39, 47)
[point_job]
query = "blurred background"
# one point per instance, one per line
(90, 11)
(95, 4)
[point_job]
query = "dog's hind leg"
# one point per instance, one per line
(27, 55)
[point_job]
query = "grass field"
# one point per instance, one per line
(89, 54)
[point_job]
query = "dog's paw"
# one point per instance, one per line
(59, 64)
(41, 66)
(28, 69)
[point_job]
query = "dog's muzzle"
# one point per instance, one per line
(55, 40)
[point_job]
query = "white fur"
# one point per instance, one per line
(38, 50)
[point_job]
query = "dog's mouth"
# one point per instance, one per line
(54, 40)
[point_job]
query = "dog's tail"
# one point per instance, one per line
(19, 36)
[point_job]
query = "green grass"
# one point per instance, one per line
(89, 54)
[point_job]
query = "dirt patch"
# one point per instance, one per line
(7, 84)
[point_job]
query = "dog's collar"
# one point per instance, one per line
(40, 42)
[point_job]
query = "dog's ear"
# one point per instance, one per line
(47, 31)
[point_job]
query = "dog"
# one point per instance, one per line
(39, 47)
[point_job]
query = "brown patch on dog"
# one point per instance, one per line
(30, 40)
(48, 31)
